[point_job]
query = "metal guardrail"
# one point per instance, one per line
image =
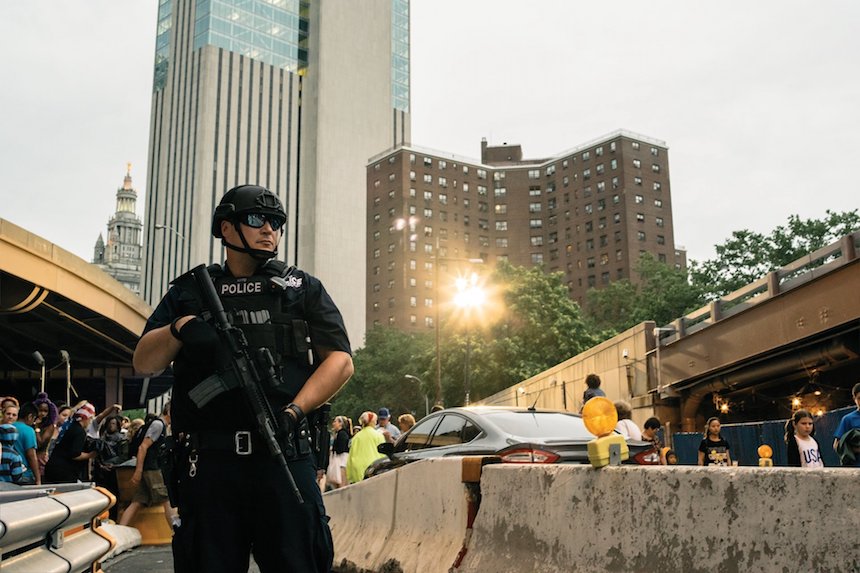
(799, 272)
(53, 529)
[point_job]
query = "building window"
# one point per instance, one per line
(603, 241)
(482, 173)
(534, 207)
(589, 244)
(591, 281)
(428, 213)
(599, 151)
(655, 168)
(599, 169)
(619, 255)
(412, 176)
(601, 223)
(500, 192)
(612, 147)
(375, 253)
(661, 257)
(443, 164)
(661, 240)
(501, 208)
(586, 155)
(589, 263)
(589, 209)
(428, 179)
(604, 259)
(659, 221)
(616, 199)
(654, 152)
(443, 182)
(537, 258)
(589, 226)
(586, 174)
(428, 231)
(535, 223)
(484, 241)
(601, 204)
(467, 203)
(640, 235)
(536, 241)
(501, 225)
(639, 199)
(601, 186)
(640, 217)
(483, 225)
(412, 158)
(413, 320)
(443, 198)
(635, 144)
(534, 191)
(550, 170)
(412, 193)
(428, 162)
(428, 195)
(502, 242)
(604, 278)
(412, 282)
(428, 321)
(565, 181)
(658, 203)
(657, 186)
(391, 176)
(637, 164)
(616, 218)
(637, 180)
(617, 236)
(482, 190)
(534, 173)
(615, 183)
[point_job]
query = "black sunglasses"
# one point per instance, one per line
(257, 220)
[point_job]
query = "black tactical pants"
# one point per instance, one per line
(236, 505)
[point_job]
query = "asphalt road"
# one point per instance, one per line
(152, 559)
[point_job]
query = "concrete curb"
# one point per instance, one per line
(126, 538)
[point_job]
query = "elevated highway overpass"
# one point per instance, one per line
(52, 300)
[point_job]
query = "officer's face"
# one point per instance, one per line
(263, 238)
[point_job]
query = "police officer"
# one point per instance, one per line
(233, 496)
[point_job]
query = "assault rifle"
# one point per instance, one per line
(246, 370)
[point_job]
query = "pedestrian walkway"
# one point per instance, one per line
(152, 559)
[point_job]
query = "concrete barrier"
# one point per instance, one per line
(411, 519)
(668, 519)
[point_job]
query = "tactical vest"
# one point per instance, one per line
(269, 309)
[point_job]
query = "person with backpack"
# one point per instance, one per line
(147, 479)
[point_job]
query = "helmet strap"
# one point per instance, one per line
(261, 255)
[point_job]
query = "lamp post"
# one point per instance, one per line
(436, 260)
(420, 387)
(469, 296)
(40, 360)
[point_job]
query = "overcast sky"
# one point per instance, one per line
(758, 102)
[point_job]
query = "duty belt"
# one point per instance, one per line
(240, 442)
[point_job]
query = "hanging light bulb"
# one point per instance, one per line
(724, 407)
(795, 402)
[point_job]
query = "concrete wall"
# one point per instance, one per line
(679, 519)
(622, 378)
(413, 518)
(558, 518)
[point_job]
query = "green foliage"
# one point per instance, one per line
(748, 256)
(537, 327)
(380, 379)
(661, 294)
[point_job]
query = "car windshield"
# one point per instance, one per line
(543, 425)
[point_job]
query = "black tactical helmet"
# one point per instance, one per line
(246, 199)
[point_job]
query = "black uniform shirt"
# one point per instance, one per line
(304, 296)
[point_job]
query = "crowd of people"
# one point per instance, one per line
(46, 443)
(354, 448)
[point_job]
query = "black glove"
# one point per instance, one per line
(199, 343)
(287, 425)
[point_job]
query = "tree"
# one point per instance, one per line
(380, 379)
(748, 256)
(540, 327)
(661, 294)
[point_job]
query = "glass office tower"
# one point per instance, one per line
(293, 95)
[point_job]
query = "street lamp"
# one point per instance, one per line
(161, 227)
(436, 260)
(421, 388)
(469, 296)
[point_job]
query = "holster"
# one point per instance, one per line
(295, 444)
(319, 422)
(172, 460)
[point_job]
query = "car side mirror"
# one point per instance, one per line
(386, 448)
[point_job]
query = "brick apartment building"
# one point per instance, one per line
(589, 212)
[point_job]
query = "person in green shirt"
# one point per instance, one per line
(362, 449)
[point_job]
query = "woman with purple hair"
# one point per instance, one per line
(46, 427)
